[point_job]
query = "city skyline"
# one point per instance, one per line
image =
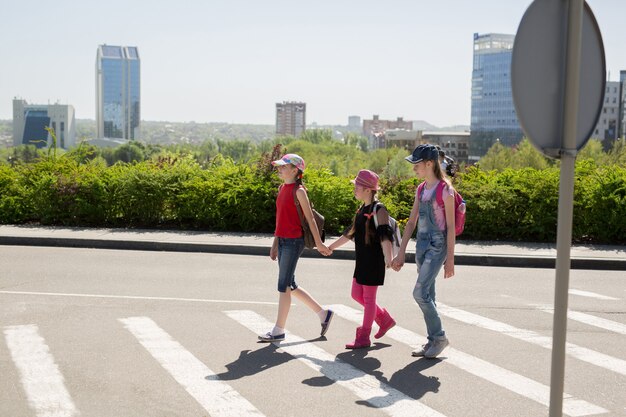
(214, 63)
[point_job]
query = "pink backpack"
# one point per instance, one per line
(459, 205)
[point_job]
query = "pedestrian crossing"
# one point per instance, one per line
(45, 388)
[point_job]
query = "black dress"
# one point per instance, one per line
(370, 260)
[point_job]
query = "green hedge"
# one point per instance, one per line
(518, 205)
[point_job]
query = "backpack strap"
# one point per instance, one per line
(439, 193)
(375, 212)
(420, 189)
(297, 203)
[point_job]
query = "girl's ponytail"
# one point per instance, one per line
(439, 172)
(299, 182)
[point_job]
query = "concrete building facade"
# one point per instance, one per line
(30, 122)
(374, 129)
(609, 123)
(290, 118)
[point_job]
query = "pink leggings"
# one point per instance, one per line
(366, 296)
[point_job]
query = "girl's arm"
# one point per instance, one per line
(339, 242)
(274, 250)
(398, 261)
(305, 205)
(448, 204)
(382, 219)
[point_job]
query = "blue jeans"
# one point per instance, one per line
(430, 253)
(289, 251)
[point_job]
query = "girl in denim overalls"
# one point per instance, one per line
(435, 247)
(288, 245)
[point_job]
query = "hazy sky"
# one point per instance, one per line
(232, 60)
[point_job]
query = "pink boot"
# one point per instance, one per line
(362, 339)
(385, 322)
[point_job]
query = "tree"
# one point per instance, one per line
(498, 158)
(617, 154)
(317, 135)
(527, 156)
(129, 152)
(592, 150)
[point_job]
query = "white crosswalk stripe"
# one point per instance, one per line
(589, 319)
(40, 376)
(587, 355)
(218, 398)
(504, 378)
(590, 294)
(365, 386)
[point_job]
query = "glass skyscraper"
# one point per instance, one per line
(493, 111)
(118, 97)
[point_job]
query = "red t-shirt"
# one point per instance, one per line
(287, 219)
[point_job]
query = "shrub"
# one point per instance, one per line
(175, 191)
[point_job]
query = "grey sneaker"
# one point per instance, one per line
(421, 351)
(436, 348)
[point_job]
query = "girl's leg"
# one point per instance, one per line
(289, 251)
(357, 292)
(284, 304)
(424, 292)
(366, 296)
(306, 298)
(325, 316)
(369, 304)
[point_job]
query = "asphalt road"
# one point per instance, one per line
(129, 333)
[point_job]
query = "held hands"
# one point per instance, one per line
(398, 262)
(324, 250)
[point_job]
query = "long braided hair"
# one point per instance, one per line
(369, 230)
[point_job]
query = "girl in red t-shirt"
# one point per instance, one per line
(288, 245)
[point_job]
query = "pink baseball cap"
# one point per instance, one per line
(367, 179)
(290, 158)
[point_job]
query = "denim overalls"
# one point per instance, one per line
(430, 254)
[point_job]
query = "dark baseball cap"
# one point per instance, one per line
(426, 152)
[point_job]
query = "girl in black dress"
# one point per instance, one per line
(373, 255)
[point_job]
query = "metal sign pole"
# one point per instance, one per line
(566, 199)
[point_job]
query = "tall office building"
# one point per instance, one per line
(30, 122)
(493, 111)
(118, 98)
(290, 118)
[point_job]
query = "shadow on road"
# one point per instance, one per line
(408, 380)
(251, 362)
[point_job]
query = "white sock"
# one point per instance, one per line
(322, 315)
(277, 330)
